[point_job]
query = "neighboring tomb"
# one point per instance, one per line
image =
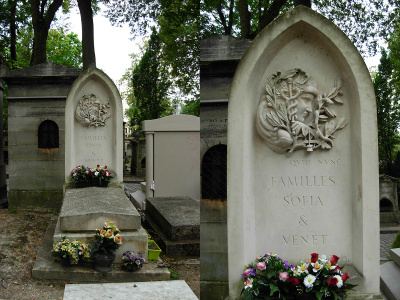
(388, 200)
(219, 58)
(302, 151)
(36, 108)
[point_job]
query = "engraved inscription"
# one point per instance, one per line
(305, 240)
(302, 201)
(303, 181)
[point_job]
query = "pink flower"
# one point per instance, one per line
(261, 265)
(283, 276)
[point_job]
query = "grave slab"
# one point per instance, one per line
(88, 208)
(179, 217)
(133, 240)
(177, 222)
(390, 274)
(138, 199)
(46, 268)
(177, 289)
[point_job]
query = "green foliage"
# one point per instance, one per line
(64, 49)
(191, 108)
(365, 22)
(388, 113)
(396, 242)
(178, 23)
(150, 85)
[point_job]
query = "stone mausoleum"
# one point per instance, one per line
(36, 126)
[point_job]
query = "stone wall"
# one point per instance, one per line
(36, 94)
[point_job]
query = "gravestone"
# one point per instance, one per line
(302, 151)
(93, 124)
(94, 136)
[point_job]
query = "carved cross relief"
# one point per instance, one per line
(294, 115)
(91, 112)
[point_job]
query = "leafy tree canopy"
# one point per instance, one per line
(150, 85)
(364, 21)
(179, 27)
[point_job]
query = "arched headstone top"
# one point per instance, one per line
(302, 143)
(93, 124)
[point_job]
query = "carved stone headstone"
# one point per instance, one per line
(93, 124)
(302, 150)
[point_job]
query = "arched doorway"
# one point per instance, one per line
(213, 173)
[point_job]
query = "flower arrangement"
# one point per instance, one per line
(318, 277)
(81, 174)
(107, 240)
(86, 176)
(132, 261)
(101, 174)
(74, 251)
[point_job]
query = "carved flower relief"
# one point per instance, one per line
(294, 115)
(91, 112)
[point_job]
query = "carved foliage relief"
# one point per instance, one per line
(90, 111)
(294, 115)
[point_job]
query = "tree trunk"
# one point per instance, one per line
(245, 18)
(41, 21)
(88, 54)
(302, 2)
(13, 33)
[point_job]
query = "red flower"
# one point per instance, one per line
(293, 280)
(104, 173)
(314, 257)
(332, 281)
(105, 167)
(337, 268)
(98, 166)
(345, 276)
(334, 260)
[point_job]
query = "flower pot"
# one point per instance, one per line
(103, 261)
(65, 261)
(132, 267)
(103, 183)
(82, 184)
(153, 253)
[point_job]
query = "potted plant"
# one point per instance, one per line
(81, 176)
(106, 241)
(132, 261)
(154, 250)
(101, 176)
(316, 278)
(70, 252)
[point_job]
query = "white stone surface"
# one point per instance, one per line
(176, 289)
(322, 201)
(173, 164)
(94, 145)
(132, 240)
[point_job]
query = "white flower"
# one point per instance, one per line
(323, 258)
(316, 267)
(248, 284)
(96, 173)
(309, 280)
(302, 268)
(339, 283)
(137, 262)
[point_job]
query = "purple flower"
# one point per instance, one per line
(286, 264)
(250, 272)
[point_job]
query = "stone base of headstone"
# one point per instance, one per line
(48, 269)
(177, 221)
(389, 218)
(86, 209)
(133, 240)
